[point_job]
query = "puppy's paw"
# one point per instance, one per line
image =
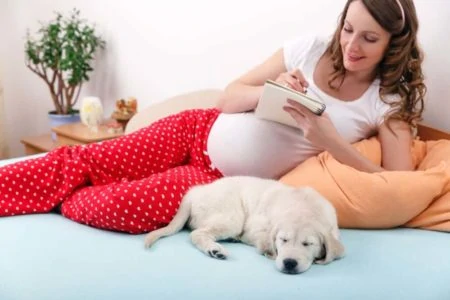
(269, 254)
(265, 249)
(217, 251)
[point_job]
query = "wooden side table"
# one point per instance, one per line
(39, 144)
(78, 133)
(68, 134)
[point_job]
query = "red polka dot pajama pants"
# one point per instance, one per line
(133, 183)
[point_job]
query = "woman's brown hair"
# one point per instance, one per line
(400, 70)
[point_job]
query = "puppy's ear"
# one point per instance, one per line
(273, 238)
(333, 249)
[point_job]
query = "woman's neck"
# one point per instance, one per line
(366, 76)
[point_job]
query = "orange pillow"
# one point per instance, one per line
(437, 215)
(371, 200)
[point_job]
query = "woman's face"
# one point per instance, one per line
(363, 40)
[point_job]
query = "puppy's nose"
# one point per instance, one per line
(289, 264)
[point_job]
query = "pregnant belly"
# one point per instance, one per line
(241, 144)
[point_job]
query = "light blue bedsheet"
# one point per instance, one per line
(48, 257)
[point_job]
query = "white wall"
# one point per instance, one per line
(158, 49)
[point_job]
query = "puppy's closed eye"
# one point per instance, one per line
(307, 244)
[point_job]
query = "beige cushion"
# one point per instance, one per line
(197, 99)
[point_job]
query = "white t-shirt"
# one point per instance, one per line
(241, 144)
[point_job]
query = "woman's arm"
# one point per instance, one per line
(243, 93)
(319, 130)
(345, 153)
(395, 149)
(396, 146)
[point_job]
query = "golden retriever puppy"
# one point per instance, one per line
(294, 226)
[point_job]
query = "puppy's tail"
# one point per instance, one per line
(177, 223)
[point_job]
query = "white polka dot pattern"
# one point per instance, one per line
(132, 184)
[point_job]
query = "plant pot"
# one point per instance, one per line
(57, 120)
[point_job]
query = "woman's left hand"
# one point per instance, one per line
(319, 130)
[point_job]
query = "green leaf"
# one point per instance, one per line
(67, 45)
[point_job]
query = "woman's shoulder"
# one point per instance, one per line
(377, 105)
(383, 99)
(303, 48)
(307, 40)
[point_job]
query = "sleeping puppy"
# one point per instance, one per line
(294, 226)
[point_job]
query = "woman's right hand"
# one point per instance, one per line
(243, 93)
(294, 80)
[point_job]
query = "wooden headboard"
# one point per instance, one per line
(429, 133)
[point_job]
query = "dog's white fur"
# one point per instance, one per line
(296, 226)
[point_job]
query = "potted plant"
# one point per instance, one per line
(61, 53)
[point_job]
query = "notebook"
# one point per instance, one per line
(274, 97)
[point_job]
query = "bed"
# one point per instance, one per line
(50, 257)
